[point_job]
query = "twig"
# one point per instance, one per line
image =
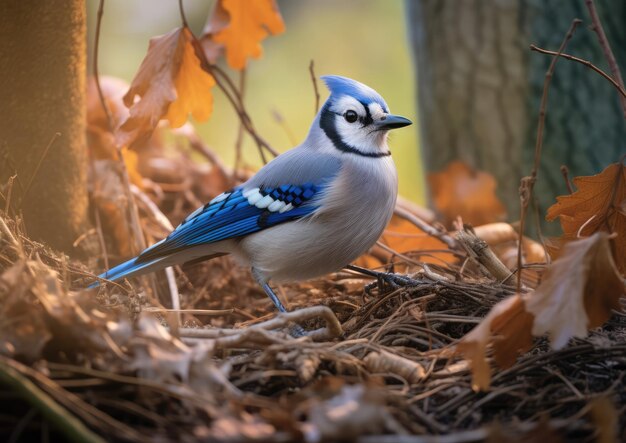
(606, 48)
(182, 13)
(427, 228)
(132, 207)
(480, 251)
(239, 141)
(587, 63)
(230, 91)
(162, 220)
(239, 108)
(527, 183)
(36, 171)
(314, 81)
(565, 172)
(230, 337)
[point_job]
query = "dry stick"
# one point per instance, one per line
(606, 48)
(427, 228)
(479, 250)
(587, 63)
(134, 215)
(239, 141)
(228, 337)
(527, 183)
(165, 223)
(182, 13)
(239, 108)
(565, 172)
(314, 81)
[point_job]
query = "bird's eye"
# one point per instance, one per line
(351, 116)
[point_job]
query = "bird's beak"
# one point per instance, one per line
(392, 122)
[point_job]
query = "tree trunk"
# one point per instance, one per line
(42, 92)
(479, 89)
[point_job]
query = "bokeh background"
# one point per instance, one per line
(362, 39)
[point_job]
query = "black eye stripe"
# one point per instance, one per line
(367, 120)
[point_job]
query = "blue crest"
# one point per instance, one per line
(339, 86)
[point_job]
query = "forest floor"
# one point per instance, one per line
(381, 365)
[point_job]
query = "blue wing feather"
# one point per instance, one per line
(232, 215)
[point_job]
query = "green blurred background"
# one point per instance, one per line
(362, 39)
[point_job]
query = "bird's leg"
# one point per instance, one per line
(295, 330)
(393, 280)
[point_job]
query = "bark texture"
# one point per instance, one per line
(479, 89)
(42, 92)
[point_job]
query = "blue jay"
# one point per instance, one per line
(308, 212)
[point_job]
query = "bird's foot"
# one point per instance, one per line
(296, 331)
(391, 279)
(394, 281)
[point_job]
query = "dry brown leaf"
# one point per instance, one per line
(474, 344)
(216, 22)
(606, 419)
(511, 333)
(597, 205)
(578, 291)
(459, 190)
(250, 22)
(170, 83)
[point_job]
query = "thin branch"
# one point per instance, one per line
(616, 85)
(527, 183)
(239, 141)
(606, 48)
(565, 173)
(133, 213)
(314, 81)
(226, 85)
(427, 228)
(182, 13)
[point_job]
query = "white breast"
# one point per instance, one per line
(353, 215)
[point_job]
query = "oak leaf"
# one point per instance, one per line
(250, 22)
(171, 83)
(459, 190)
(597, 205)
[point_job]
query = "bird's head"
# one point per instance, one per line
(356, 118)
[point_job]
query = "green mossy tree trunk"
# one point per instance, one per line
(42, 92)
(479, 89)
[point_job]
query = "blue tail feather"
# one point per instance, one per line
(126, 269)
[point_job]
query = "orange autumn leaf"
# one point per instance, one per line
(403, 236)
(250, 22)
(459, 190)
(475, 343)
(599, 204)
(170, 84)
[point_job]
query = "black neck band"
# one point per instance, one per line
(327, 123)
